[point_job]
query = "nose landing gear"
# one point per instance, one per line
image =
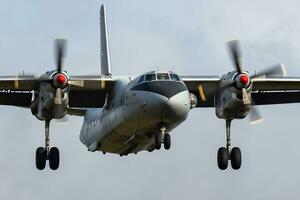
(162, 137)
(226, 154)
(46, 153)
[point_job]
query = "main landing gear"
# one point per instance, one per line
(162, 137)
(226, 154)
(46, 153)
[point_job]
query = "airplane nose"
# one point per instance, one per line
(163, 102)
(177, 107)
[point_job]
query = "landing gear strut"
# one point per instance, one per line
(162, 137)
(226, 154)
(46, 153)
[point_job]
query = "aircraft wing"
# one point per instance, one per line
(203, 87)
(89, 91)
(85, 91)
(265, 90)
(19, 83)
(276, 91)
(16, 90)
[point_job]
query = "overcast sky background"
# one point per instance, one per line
(188, 35)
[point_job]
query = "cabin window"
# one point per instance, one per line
(174, 77)
(163, 76)
(150, 77)
(140, 80)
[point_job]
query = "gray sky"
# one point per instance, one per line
(189, 35)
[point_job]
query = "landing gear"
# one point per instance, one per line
(226, 154)
(162, 137)
(46, 153)
(223, 157)
(167, 141)
(236, 158)
(157, 141)
(53, 157)
(40, 158)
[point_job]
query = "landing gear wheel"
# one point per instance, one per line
(40, 158)
(223, 157)
(167, 141)
(236, 158)
(54, 158)
(158, 138)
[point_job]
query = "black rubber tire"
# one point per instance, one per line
(167, 141)
(40, 158)
(157, 141)
(151, 149)
(236, 158)
(54, 158)
(222, 158)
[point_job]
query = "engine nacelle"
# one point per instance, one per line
(45, 105)
(230, 105)
(233, 99)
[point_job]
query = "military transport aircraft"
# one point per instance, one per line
(124, 115)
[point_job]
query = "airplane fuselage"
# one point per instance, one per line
(129, 121)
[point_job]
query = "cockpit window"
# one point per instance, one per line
(163, 76)
(150, 77)
(174, 77)
(141, 79)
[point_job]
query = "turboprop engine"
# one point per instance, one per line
(233, 99)
(51, 100)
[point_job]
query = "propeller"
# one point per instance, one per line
(60, 80)
(243, 80)
(60, 48)
(234, 51)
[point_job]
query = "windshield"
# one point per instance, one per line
(141, 79)
(150, 77)
(163, 76)
(174, 77)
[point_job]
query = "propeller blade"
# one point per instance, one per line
(78, 83)
(246, 97)
(57, 99)
(226, 83)
(235, 54)
(254, 116)
(274, 71)
(60, 48)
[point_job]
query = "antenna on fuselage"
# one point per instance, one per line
(104, 55)
(173, 68)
